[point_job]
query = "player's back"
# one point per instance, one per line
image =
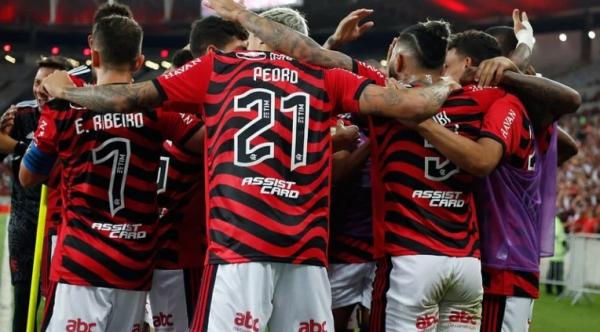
(183, 217)
(426, 202)
(110, 163)
(268, 120)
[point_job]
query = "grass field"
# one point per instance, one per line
(549, 313)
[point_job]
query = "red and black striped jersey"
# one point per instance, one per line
(511, 282)
(181, 200)
(267, 152)
(423, 203)
(110, 214)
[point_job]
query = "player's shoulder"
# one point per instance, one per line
(27, 105)
(483, 96)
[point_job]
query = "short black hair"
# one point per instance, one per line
(505, 36)
(216, 31)
(475, 44)
(55, 62)
(429, 41)
(118, 39)
(109, 9)
(181, 57)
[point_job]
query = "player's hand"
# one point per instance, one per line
(55, 84)
(490, 71)
(349, 29)
(227, 9)
(345, 137)
(519, 19)
(448, 82)
(392, 83)
(7, 120)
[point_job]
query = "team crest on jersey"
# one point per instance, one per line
(250, 55)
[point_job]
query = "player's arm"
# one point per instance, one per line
(545, 100)
(105, 98)
(346, 163)
(479, 157)
(521, 56)
(349, 29)
(280, 37)
(35, 166)
(407, 105)
(566, 146)
(195, 144)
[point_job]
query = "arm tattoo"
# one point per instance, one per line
(292, 43)
(115, 98)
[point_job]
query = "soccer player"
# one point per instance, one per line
(511, 282)
(25, 201)
(267, 160)
(108, 240)
(176, 282)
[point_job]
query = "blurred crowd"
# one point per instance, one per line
(579, 178)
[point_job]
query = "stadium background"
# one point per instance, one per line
(567, 49)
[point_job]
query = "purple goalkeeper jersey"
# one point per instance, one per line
(516, 212)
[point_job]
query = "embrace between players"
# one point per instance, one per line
(439, 162)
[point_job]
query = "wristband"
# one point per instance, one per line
(525, 36)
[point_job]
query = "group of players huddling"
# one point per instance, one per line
(266, 182)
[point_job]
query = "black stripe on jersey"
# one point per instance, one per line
(477, 117)
(123, 272)
(423, 229)
(251, 253)
(362, 88)
(103, 207)
(84, 273)
(159, 88)
(259, 204)
(459, 102)
(118, 246)
(191, 132)
(342, 247)
(250, 227)
(411, 244)
(524, 143)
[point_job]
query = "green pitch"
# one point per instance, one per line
(558, 315)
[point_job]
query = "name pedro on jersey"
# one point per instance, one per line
(275, 75)
(272, 186)
(111, 120)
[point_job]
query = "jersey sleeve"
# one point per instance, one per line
(178, 127)
(187, 84)
(43, 151)
(368, 71)
(504, 122)
(344, 89)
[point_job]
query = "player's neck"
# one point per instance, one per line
(419, 77)
(108, 76)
